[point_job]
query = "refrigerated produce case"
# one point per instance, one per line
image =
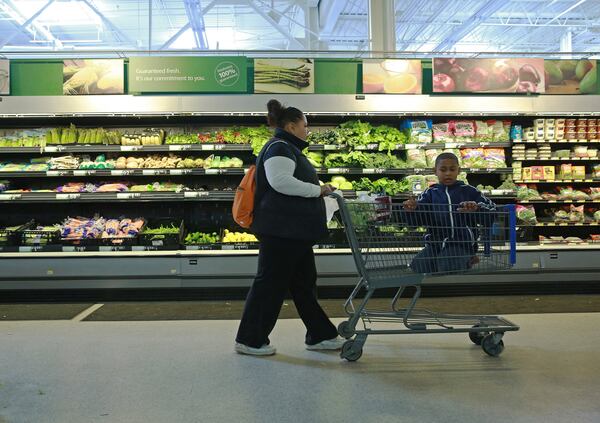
(198, 197)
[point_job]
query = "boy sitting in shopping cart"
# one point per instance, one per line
(451, 211)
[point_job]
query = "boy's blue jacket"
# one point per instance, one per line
(437, 211)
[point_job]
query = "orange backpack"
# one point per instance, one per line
(243, 202)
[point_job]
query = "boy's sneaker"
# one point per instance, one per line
(245, 349)
(329, 344)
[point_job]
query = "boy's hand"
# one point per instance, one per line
(468, 206)
(410, 204)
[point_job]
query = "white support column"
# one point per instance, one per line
(566, 44)
(382, 25)
(311, 14)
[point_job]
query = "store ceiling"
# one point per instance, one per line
(422, 26)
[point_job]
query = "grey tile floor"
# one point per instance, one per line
(186, 371)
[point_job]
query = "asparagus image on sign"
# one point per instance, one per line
(284, 76)
(102, 76)
(4, 77)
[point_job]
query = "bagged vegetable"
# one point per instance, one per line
(595, 193)
(473, 157)
(500, 129)
(495, 157)
(576, 214)
(442, 132)
(526, 193)
(597, 215)
(526, 214)
(596, 171)
(464, 130)
(561, 216)
(416, 182)
(483, 132)
(431, 155)
(418, 131)
(580, 195)
(416, 158)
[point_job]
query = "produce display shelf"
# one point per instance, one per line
(440, 146)
(556, 181)
(123, 172)
(555, 159)
(558, 201)
(51, 197)
(547, 224)
(557, 142)
(406, 171)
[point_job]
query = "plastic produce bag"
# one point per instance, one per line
(473, 157)
(464, 130)
(416, 158)
(526, 214)
(442, 132)
(483, 133)
(495, 157)
(418, 131)
(431, 155)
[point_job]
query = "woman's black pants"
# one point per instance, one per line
(283, 265)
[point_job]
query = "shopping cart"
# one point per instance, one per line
(394, 247)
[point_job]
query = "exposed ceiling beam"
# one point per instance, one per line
(187, 26)
(537, 30)
(329, 13)
(484, 12)
(120, 34)
(12, 10)
(193, 9)
(293, 42)
(26, 23)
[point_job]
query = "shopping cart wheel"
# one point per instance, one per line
(491, 347)
(348, 353)
(344, 330)
(477, 337)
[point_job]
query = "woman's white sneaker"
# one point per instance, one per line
(329, 344)
(245, 349)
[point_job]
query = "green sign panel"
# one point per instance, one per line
(187, 75)
(32, 77)
(337, 76)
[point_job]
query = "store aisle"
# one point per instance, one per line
(186, 371)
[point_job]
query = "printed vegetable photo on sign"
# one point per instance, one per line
(571, 76)
(93, 76)
(284, 76)
(392, 76)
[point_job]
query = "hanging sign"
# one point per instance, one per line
(392, 76)
(510, 75)
(187, 74)
(571, 76)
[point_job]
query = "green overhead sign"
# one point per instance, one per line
(187, 75)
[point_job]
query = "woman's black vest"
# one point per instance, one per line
(288, 216)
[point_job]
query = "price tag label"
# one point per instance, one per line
(122, 172)
(81, 173)
(419, 170)
(484, 144)
(191, 194)
(131, 147)
(338, 170)
(219, 146)
(10, 197)
(411, 146)
(128, 195)
(180, 171)
(490, 169)
(162, 172)
(330, 147)
(452, 145)
(72, 196)
(54, 149)
(372, 171)
(30, 249)
(57, 173)
(180, 147)
(207, 147)
(212, 171)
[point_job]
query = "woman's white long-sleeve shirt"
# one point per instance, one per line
(279, 171)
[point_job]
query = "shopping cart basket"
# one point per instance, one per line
(394, 247)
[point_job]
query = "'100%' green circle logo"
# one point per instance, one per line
(227, 74)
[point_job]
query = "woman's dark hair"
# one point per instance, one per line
(445, 156)
(280, 115)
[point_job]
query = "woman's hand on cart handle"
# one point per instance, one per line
(468, 206)
(410, 204)
(327, 189)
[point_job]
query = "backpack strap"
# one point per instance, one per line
(260, 165)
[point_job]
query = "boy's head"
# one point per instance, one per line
(447, 168)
